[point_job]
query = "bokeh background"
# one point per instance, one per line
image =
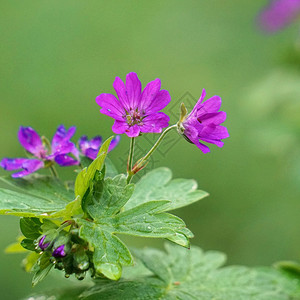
(57, 56)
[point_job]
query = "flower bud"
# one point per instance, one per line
(43, 244)
(59, 251)
(81, 260)
(62, 245)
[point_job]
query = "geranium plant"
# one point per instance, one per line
(77, 226)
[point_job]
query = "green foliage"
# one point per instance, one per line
(41, 268)
(103, 203)
(291, 267)
(31, 227)
(87, 174)
(86, 224)
(192, 274)
(45, 187)
(45, 196)
(158, 185)
(39, 196)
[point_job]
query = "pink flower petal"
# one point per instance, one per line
(29, 166)
(31, 141)
(110, 106)
(155, 123)
(149, 94)
(133, 89)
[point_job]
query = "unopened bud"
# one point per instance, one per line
(59, 251)
(43, 244)
(81, 259)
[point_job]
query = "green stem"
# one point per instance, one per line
(129, 177)
(141, 162)
(53, 171)
(130, 159)
(158, 142)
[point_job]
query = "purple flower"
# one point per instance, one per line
(90, 148)
(43, 245)
(59, 251)
(32, 142)
(135, 111)
(278, 14)
(203, 123)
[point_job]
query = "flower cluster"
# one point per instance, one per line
(61, 150)
(137, 112)
(65, 250)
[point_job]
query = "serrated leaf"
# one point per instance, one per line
(106, 198)
(87, 174)
(110, 254)
(71, 209)
(147, 220)
(184, 274)
(154, 260)
(103, 203)
(157, 185)
(45, 187)
(23, 205)
(39, 196)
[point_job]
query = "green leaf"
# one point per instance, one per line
(20, 204)
(31, 227)
(111, 170)
(103, 203)
(184, 274)
(146, 220)
(158, 185)
(109, 252)
(39, 196)
(71, 209)
(28, 244)
(290, 267)
(106, 198)
(41, 268)
(29, 262)
(45, 187)
(87, 174)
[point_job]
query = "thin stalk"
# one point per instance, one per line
(142, 162)
(130, 159)
(158, 142)
(53, 171)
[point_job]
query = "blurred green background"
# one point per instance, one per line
(57, 56)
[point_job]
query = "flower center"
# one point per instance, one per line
(134, 117)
